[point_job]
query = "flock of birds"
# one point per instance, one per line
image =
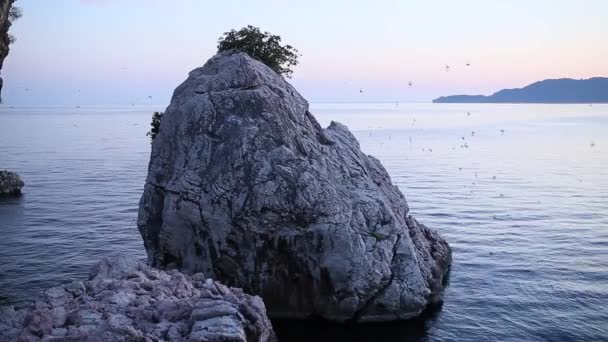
(410, 83)
(464, 145)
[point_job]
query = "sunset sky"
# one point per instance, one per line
(110, 52)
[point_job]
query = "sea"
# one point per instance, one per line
(520, 192)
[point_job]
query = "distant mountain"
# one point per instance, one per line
(563, 90)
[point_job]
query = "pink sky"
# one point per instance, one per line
(121, 52)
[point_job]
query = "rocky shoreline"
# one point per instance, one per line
(126, 300)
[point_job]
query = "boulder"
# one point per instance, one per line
(245, 185)
(126, 300)
(10, 183)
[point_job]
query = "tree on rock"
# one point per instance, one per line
(155, 125)
(262, 46)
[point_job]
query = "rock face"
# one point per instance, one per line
(245, 186)
(10, 183)
(5, 24)
(126, 300)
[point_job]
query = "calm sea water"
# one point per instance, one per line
(519, 191)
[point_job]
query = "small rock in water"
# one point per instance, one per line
(10, 183)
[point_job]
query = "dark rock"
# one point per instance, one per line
(10, 183)
(246, 186)
(5, 24)
(126, 300)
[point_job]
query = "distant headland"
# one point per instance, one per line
(563, 90)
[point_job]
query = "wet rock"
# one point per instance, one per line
(245, 185)
(114, 307)
(10, 183)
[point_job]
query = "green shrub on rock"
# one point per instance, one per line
(262, 46)
(155, 125)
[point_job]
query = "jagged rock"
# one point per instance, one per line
(5, 24)
(126, 300)
(246, 186)
(10, 183)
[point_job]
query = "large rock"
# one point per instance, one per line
(10, 183)
(246, 186)
(126, 300)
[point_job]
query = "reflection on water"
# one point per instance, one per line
(519, 191)
(412, 330)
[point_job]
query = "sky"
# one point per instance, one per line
(123, 52)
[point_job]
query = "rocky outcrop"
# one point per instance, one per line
(5, 24)
(126, 300)
(246, 186)
(10, 183)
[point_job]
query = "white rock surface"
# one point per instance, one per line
(126, 300)
(245, 186)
